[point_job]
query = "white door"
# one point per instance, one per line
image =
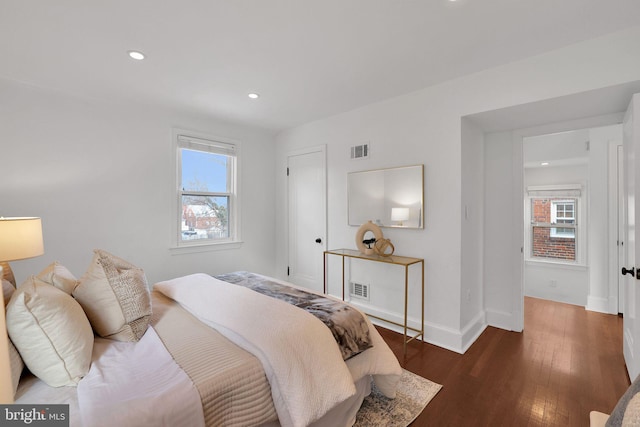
(631, 144)
(307, 213)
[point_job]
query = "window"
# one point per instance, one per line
(206, 191)
(563, 212)
(549, 208)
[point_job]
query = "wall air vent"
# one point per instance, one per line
(359, 290)
(360, 151)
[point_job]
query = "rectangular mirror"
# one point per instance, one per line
(390, 197)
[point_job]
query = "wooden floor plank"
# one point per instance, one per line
(567, 362)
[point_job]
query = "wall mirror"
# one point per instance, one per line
(390, 197)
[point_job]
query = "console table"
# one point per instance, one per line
(395, 260)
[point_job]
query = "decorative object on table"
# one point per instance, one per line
(384, 247)
(366, 248)
(20, 238)
(399, 215)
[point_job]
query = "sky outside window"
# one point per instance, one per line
(202, 171)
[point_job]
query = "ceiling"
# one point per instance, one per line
(307, 59)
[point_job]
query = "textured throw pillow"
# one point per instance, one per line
(15, 361)
(51, 332)
(632, 413)
(115, 296)
(615, 419)
(57, 275)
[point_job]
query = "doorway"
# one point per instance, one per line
(307, 213)
(503, 209)
(556, 208)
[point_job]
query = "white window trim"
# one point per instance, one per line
(576, 191)
(193, 246)
(554, 219)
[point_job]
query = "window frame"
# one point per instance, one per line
(570, 225)
(569, 191)
(199, 141)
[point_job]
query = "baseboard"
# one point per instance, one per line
(472, 331)
(444, 337)
(392, 317)
(601, 305)
(458, 341)
(499, 319)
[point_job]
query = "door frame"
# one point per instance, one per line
(616, 227)
(301, 152)
(518, 136)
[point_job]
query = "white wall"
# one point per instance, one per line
(502, 238)
(425, 127)
(101, 176)
(603, 285)
(472, 321)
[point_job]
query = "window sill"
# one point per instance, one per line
(205, 247)
(556, 264)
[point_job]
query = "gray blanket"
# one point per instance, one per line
(347, 324)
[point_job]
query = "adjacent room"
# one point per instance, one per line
(298, 213)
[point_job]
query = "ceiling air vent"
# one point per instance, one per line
(360, 151)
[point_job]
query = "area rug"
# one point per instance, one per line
(414, 393)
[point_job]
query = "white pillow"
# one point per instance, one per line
(115, 296)
(59, 276)
(51, 332)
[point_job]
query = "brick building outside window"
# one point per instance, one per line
(548, 240)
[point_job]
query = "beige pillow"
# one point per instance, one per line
(51, 332)
(115, 296)
(59, 276)
(15, 361)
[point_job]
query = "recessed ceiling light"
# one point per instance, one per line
(253, 96)
(544, 164)
(136, 55)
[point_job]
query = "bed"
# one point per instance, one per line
(205, 359)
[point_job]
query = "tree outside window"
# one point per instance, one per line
(206, 190)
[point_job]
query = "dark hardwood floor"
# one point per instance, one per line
(567, 362)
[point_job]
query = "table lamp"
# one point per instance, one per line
(20, 238)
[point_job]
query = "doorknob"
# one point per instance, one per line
(318, 240)
(632, 271)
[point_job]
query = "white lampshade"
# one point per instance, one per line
(399, 214)
(20, 238)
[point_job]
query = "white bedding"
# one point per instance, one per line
(137, 384)
(142, 378)
(142, 393)
(255, 322)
